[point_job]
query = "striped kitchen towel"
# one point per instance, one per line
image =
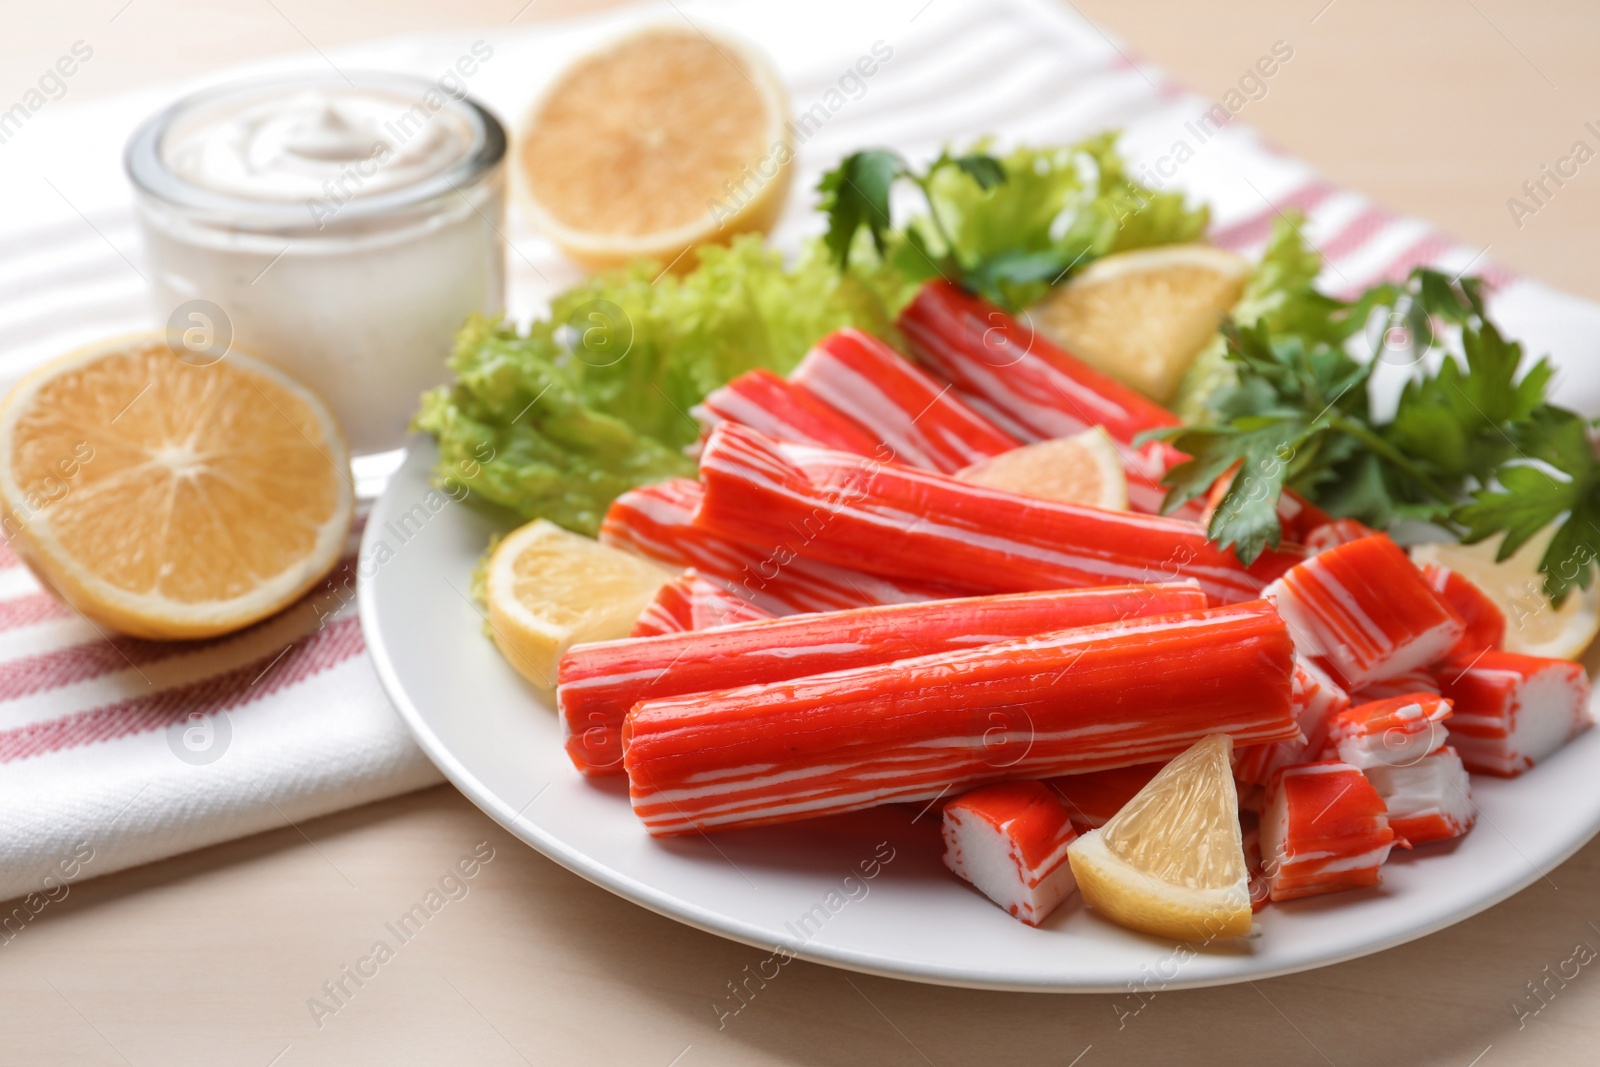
(115, 752)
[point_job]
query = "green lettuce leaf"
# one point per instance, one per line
(556, 420)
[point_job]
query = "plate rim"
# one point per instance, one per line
(708, 920)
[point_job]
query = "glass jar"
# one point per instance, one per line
(341, 227)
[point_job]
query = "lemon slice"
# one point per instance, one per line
(1082, 469)
(168, 500)
(1143, 316)
(665, 139)
(1171, 862)
(1533, 626)
(548, 589)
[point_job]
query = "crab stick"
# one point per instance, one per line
(1485, 622)
(693, 602)
(658, 521)
(1417, 680)
(1032, 389)
(783, 411)
(1428, 800)
(1010, 841)
(1324, 828)
(1513, 711)
(921, 525)
(599, 682)
(1078, 700)
(1317, 699)
(1389, 733)
(1366, 611)
(921, 421)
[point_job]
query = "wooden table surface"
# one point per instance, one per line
(1441, 109)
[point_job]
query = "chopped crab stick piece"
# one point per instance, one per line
(1078, 700)
(1429, 800)
(1323, 828)
(1420, 680)
(1366, 611)
(920, 420)
(1317, 699)
(1513, 711)
(983, 351)
(599, 682)
(1092, 798)
(916, 525)
(657, 521)
(1486, 623)
(1010, 841)
(694, 602)
(1388, 733)
(783, 411)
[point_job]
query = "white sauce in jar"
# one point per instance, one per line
(341, 231)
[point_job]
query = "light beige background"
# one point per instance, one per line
(1440, 109)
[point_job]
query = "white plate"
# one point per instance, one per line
(497, 740)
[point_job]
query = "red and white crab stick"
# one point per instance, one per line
(657, 521)
(1388, 733)
(1317, 699)
(921, 422)
(1102, 696)
(1513, 711)
(692, 601)
(1010, 841)
(1429, 799)
(783, 411)
(599, 682)
(1365, 610)
(1323, 828)
(920, 525)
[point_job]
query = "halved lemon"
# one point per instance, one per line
(663, 140)
(1171, 862)
(1082, 469)
(168, 500)
(548, 589)
(1534, 626)
(1143, 316)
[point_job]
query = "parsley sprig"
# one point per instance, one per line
(1473, 444)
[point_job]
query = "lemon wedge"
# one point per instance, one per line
(1534, 627)
(663, 140)
(169, 500)
(548, 589)
(1082, 469)
(1171, 862)
(1143, 316)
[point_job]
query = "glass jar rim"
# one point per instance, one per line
(150, 175)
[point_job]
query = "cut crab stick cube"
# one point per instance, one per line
(1324, 828)
(920, 420)
(1513, 711)
(783, 411)
(693, 602)
(1429, 800)
(657, 521)
(1365, 610)
(921, 525)
(1092, 798)
(1420, 680)
(1079, 700)
(1010, 841)
(1486, 623)
(1388, 733)
(1317, 699)
(599, 682)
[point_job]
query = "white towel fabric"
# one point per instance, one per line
(106, 748)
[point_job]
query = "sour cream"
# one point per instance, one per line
(342, 230)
